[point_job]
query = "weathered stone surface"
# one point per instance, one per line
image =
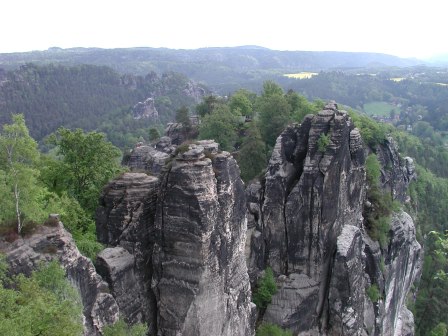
(55, 243)
(291, 306)
(403, 266)
(308, 196)
(347, 284)
(145, 110)
(125, 219)
(164, 145)
(306, 219)
(145, 158)
(397, 173)
(117, 267)
(195, 91)
(200, 278)
(405, 325)
(175, 131)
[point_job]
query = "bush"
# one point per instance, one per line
(121, 329)
(268, 329)
(323, 142)
(266, 287)
(43, 304)
(373, 293)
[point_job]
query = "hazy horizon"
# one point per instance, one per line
(410, 30)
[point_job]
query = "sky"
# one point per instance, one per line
(411, 28)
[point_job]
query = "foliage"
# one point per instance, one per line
(439, 330)
(266, 287)
(18, 159)
(275, 113)
(268, 329)
(240, 103)
(90, 97)
(207, 105)
(87, 163)
(430, 306)
(382, 204)
(121, 329)
(373, 293)
(373, 133)
(153, 134)
(44, 304)
(220, 125)
(182, 116)
(323, 142)
(252, 155)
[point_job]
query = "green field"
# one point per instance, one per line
(301, 75)
(380, 108)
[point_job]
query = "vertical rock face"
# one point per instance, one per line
(200, 279)
(148, 159)
(145, 110)
(347, 283)
(314, 186)
(396, 173)
(55, 243)
(306, 223)
(403, 266)
(125, 222)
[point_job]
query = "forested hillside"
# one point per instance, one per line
(222, 69)
(92, 98)
(245, 123)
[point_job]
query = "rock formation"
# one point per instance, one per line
(396, 172)
(55, 243)
(145, 110)
(177, 257)
(306, 223)
(146, 158)
(201, 280)
(184, 235)
(125, 222)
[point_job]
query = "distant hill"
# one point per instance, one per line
(223, 69)
(92, 98)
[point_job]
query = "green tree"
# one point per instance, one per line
(439, 330)
(240, 104)
(183, 116)
(220, 125)
(88, 162)
(271, 88)
(153, 134)
(275, 113)
(430, 306)
(18, 156)
(323, 142)
(207, 105)
(252, 155)
(120, 328)
(268, 329)
(44, 304)
(266, 287)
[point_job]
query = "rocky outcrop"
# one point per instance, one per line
(176, 257)
(306, 223)
(195, 91)
(125, 222)
(403, 264)
(146, 158)
(55, 243)
(145, 110)
(396, 172)
(201, 280)
(176, 132)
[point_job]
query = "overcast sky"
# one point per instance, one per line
(404, 28)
